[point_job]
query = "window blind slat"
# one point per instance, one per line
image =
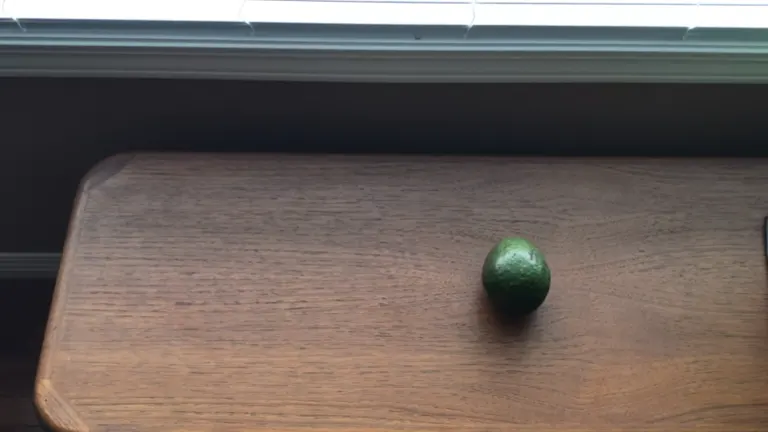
(140, 10)
(584, 15)
(597, 13)
(345, 12)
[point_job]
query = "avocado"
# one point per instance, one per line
(515, 276)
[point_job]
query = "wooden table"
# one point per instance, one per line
(342, 293)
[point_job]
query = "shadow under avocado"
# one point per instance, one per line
(503, 325)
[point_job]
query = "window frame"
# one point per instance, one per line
(381, 53)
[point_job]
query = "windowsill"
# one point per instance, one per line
(382, 53)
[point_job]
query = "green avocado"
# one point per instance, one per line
(515, 276)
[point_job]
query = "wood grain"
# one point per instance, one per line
(341, 293)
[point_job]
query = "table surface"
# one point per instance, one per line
(342, 293)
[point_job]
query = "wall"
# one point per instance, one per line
(53, 130)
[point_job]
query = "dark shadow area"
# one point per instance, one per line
(501, 326)
(23, 315)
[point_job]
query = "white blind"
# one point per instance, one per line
(617, 13)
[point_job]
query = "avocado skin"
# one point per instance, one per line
(516, 276)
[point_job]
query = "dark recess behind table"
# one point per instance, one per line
(53, 130)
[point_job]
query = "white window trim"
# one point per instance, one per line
(390, 42)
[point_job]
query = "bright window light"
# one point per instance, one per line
(137, 10)
(600, 13)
